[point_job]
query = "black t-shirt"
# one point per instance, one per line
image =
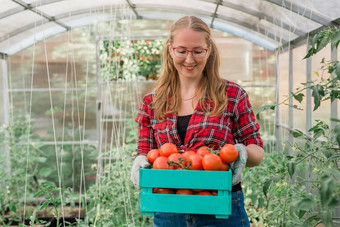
(182, 125)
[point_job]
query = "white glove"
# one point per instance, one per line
(141, 161)
(238, 166)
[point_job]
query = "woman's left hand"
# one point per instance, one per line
(238, 166)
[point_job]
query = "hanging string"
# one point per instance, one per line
(53, 122)
(28, 133)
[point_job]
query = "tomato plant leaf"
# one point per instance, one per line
(301, 213)
(326, 152)
(44, 205)
(326, 190)
(334, 157)
(333, 203)
(297, 133)
(311, 51)
(291, 168)
(12, 207)
(335, 94)
(337, 70)
(337, 134)
(305, 204)
(38, 193)
(335, 40)
(263, 108)
(260, 202)
(317, 93)
(325, 39)
(266, 185)
(298, 97)
(45, 171)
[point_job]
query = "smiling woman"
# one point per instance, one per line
(220, 113)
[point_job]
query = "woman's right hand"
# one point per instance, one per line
(141, 161)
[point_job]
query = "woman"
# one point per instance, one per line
(192, 106)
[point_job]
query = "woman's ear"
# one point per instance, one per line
(170, 50)
(209, 51)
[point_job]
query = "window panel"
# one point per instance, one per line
(8, 5)
(17, 21)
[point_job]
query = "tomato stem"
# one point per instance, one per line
(179, 163)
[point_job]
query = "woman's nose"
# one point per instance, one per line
(189, 58)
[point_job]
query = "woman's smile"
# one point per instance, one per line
(189, 67)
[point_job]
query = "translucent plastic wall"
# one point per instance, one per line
(52, 88)
(299, 67)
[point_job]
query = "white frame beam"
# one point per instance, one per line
(4, 82)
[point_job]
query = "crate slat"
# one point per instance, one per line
(150, 202)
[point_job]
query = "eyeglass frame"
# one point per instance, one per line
(173, 49)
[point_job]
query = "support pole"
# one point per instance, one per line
(99, 107)
(4, 116)
(308, 112)
(308, 93)
(334, 104)
(291, 110)
(278, 136)
(334, 114)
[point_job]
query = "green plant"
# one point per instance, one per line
(19, 166)
(55, 199)
(113, 200)
(300, 187)
(126, 60)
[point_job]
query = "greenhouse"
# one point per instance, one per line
(74, 76)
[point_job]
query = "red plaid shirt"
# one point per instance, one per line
(236, 125)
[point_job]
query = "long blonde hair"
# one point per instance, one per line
(168, 97)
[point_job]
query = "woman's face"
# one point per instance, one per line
(190, 52)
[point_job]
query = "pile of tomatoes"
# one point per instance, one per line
(168, 157)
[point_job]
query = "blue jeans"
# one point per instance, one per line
(237, 218)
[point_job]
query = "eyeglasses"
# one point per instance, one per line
(198, 53)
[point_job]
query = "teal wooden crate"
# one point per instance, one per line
(219, 205)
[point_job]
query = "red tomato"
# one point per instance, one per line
(167, 149)
(228, 153)
(152, 155)
(198, 190)
(175, 157)
(224, 167)
(161, 163)
(195, 162)
(203, 151)
(185, 192)
(211, 162)
(163, 191)
(186, 154)
(204, 193)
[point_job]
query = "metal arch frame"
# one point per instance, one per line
(35, 10)
(57, 18)
(262, 16)
(282, 3)
(218, 3)
(308, 13)
(23, 29)
(32, 7)
(214, 16)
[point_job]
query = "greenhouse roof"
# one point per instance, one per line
(271, 24)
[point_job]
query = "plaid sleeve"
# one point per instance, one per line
(146, 141)
(246, 129)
